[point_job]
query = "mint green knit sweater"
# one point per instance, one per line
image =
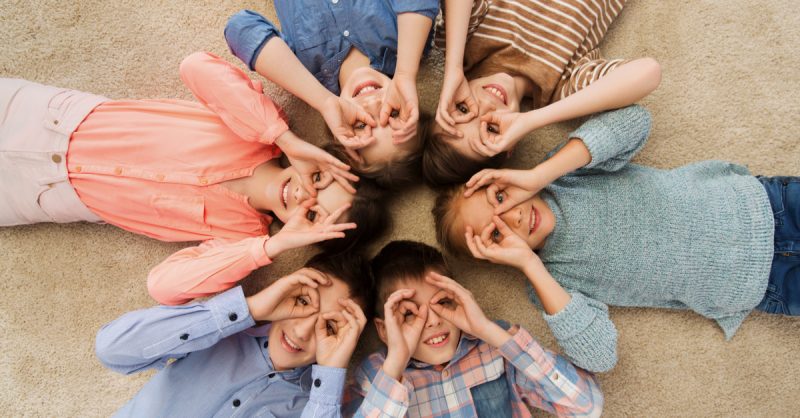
(697, 237)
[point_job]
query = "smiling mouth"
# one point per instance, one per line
(498, 91)
(438, 340)
(288, 345)
(366, 88)
(284, 193)
(534, 221)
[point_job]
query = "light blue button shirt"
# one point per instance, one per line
(321, 33)
(218, 370)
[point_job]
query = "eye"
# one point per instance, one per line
(496, 237)
(302, 300)
(408, 315)
(462, 108)
(446, 302)
(316, 177)
(359, 125)
(394, 114)
(311, 215)
(493, 128)
(330, 327)
(499, 197)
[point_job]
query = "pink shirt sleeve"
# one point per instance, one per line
(234, 97)
(206, 269)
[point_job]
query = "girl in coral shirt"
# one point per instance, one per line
(178, 170)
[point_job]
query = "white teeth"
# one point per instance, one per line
(436, 340)
(289, 342)
(496, 92)
(286, 194)
(366, 89)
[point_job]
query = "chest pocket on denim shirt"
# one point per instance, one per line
(493, 398)
(313, 27)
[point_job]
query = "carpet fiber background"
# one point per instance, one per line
(728, 92)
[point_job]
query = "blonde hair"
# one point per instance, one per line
(446, 218)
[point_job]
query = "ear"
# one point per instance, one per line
(380, 326)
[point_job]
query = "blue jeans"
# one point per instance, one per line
(783, 290)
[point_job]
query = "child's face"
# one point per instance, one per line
(293, 342)
(285, 193)
(531, 220)
(439, 339)
(367, 87)
(498, 91)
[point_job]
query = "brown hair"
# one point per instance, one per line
(403, 260)
(369, 211)
(351, 268)
(444, 217)
(443, 165)
(396, 173)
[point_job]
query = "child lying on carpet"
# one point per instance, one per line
(443, 357)
(178, 170)
(516, 49)
(350, 48)
(211, 362)
(589, 229)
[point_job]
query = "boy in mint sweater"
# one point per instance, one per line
(708, 236)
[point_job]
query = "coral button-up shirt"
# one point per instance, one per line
(155, 167)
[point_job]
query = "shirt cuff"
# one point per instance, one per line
(258, 250)
(230, 312)
(246, 33)
(572, 320)
(427, 8)
(327, 385)
(522, 343)
(389, 395)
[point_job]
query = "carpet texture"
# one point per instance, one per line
(728, 92)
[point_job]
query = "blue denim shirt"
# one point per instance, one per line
(218, 370)
(321, 33)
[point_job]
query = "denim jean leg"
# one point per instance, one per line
(783, 290)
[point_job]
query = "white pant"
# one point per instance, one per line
(35, 127)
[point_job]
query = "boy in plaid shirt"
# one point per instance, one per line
(445, 358)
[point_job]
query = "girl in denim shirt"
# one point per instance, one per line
(348, 48)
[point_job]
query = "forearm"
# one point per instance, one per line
(278, 63)
(620, 87)
(553, 297)
(148, 338)
(456, 26)
(413, 31)
(572, 156)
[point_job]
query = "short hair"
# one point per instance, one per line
(351, 268)
(369, 211)
(403, 260)
(445, 213)
(443, 165)
(396, 173)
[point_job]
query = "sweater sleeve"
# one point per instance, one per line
(614, 137)
(584, 331)
(206, 269)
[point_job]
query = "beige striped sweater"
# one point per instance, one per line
(552, 42)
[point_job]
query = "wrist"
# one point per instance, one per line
(252, 306)
(394, 368)
(273, 246)
(494, 335)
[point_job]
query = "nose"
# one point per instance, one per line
(433, 319)
(300, 194)
(373, 107)
(513, 217)
(485, 104)
(304, 328)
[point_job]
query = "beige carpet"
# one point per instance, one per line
(729, 92)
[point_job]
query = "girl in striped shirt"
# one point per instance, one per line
(502, 51)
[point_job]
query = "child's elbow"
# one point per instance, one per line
(651, 70)
(161, 291)
(107, 348)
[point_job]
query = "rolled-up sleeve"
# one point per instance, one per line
(246, 33)
(427, 8)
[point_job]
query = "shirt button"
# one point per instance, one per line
(184, 337)
(346, 33)
(335, 1)
(160, 177)
(78, 169)
(56, 158)
(117, 171)
(555, 376)
(203, 180)
(233, 316)
(236, 403)
(445, 373)
(55, 122)
(317, 382)
(266, 344)
(271, 375)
